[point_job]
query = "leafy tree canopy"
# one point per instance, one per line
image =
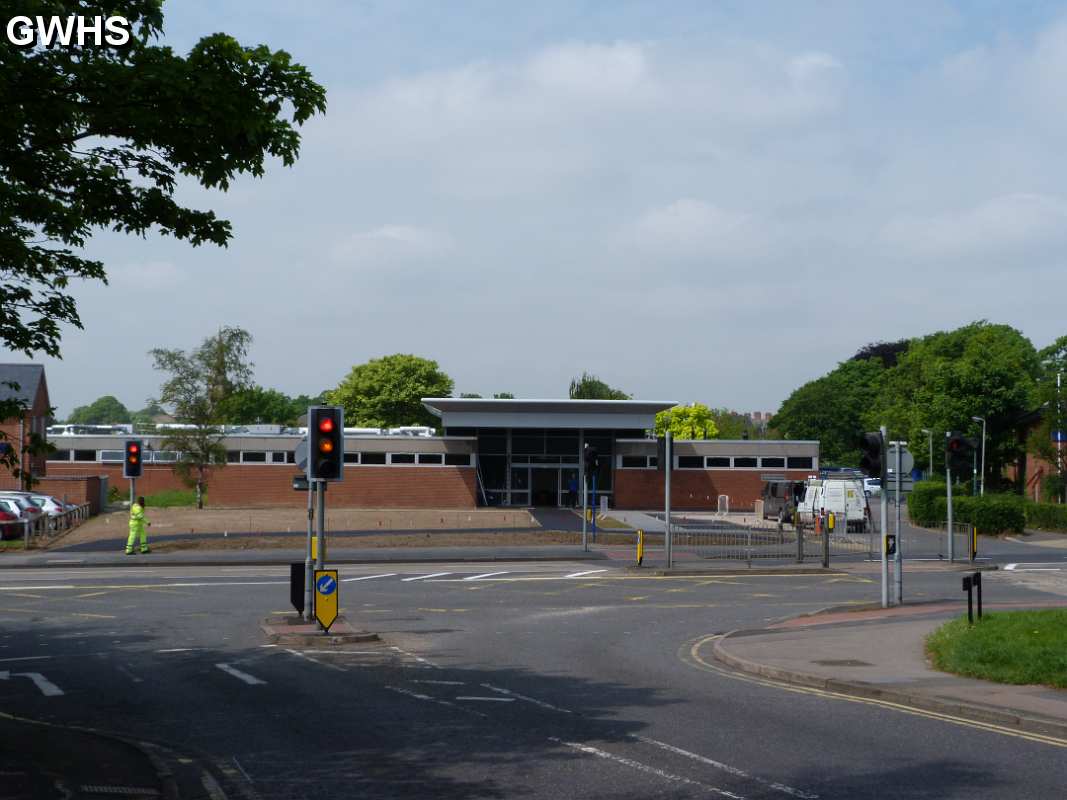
(258, 405)
(95, 138)
(886, 352)
(102, 411)
(590, 387)
(387, 392)
(687, 422)
(732, 424)
(147, 414)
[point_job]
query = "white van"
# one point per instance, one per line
(844, 498)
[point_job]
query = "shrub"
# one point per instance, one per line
(169, 498)
(1046, 516)
(921, 500)
(993, 513)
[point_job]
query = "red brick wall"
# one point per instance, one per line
(692, 488)
(77, 490)
(268, 485)
(10, 427)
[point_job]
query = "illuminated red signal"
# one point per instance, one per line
(132, 466)
(326, 424)
(326, 443)
(133, 447)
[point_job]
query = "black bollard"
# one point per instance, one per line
(978, 583)
(967, 583)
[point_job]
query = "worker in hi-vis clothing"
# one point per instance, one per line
(137, 527)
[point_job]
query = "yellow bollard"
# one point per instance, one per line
(830, 523)
(640, 547)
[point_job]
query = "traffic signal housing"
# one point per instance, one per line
(592, 460)
(872, 462)
(133, 459)
(959, 450)
(326, 443)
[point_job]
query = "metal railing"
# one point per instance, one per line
(34, 531)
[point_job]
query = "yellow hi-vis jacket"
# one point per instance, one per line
(137, 521)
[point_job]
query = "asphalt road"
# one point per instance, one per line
(540, 681)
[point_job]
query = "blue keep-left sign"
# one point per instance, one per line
(326, 584)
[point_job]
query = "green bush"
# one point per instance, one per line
(921, 503)
(172, 497)
(1046, 516)
(993, 513)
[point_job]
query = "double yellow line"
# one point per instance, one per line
(690, 654)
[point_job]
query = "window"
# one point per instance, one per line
(776, 461)
(799, 462)
(634, 462)
(112, 455)
(290, 457)
(253, 457)
(85, 455)
(744, 461)
(233, 456)
(165, 456)
(351, 458)
(690, 462)
(653, 462)
(401, 458)
(58, 455)
(277, 458)
(457, 460)
(372, 458)
(717, 462)
(431, 458)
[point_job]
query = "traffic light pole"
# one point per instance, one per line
(133, 491)
(585, 490)
(668, 542)
(309, 595)
(320, 527)
(948, 497)
(899, 553)
(884, 523)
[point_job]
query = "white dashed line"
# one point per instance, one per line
(629, 762)
(251, 680)
(424, 577)
(428, 699)
(368, 577)
(24, 658)
(487, 699)
(526, 699)
(46, 687)
(442, 683)
(740, 773)
(485, 575)
(582, 574)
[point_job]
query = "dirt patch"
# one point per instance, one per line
(167, 521)
(487, 539)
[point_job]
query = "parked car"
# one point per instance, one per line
(872, 486)
(11, 516)
(29, 509)
(48, 504)
(780, 498)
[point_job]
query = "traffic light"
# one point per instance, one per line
(326, 443)
(959, 449)
(133, 463)
(592, 460)
(872, 462)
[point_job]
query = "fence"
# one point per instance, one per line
(34, 532)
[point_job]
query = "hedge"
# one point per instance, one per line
(993, 513)
(1046, 516)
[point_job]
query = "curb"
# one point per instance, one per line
(732, 571)
(970, 711)
(209, 562)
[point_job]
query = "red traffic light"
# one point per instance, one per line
(326, 424)
(132, 448)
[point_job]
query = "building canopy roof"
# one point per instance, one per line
(491, 413)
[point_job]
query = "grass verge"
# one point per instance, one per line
(12, 544)
(1021, 647)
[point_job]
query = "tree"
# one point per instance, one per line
(503, 396)
(831, 410)
(886, 352)
(687, 422)
(387, 392)
(1043, 440)
(95, 137)
(147, 415)
(101, 411)
(948, 377)
(197, 391)
(732, 424)
(258, 405)
(590, 387)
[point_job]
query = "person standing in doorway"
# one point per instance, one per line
(138, 524)
(572, 491)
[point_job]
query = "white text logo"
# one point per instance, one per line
(67, 31)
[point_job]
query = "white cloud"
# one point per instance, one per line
(689, 228)
(390, 244)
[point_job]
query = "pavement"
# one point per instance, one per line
(879, 654)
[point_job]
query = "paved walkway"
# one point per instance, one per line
(880, 654)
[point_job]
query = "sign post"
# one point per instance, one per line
(326, 599)
(668, 543)
(883, 521)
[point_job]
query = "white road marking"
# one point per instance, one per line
(428, 699)
(25, 658)
(1022, 567)
(39, 588)
(629, 762)
(65, 561)
(424, 577)
(251, 680)
(781, 787)
(129, 674)
(178, 650)
(1010, 566)
(420, 659)
(47, 688)
(442, 683)
(484, 575)
(486, 699)
(523, 697)
(369, 577)
(298, 654)
(582, 574)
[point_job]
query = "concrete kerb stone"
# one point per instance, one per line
(732, 570)
(861, 689)
(292, 630)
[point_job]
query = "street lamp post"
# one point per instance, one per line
(930, 436)
(982, 420)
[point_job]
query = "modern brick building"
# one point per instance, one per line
(490, 453)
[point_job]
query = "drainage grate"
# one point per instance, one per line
(842, 662)
(121, 791)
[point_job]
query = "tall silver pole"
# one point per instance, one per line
(930, 437)
(668, 544)
(983, 456)
(585, 493)
(320, 527)
(883, 519)
(948, 496)
(308, 575)
(899, 555)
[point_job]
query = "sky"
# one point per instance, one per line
(695, 201)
